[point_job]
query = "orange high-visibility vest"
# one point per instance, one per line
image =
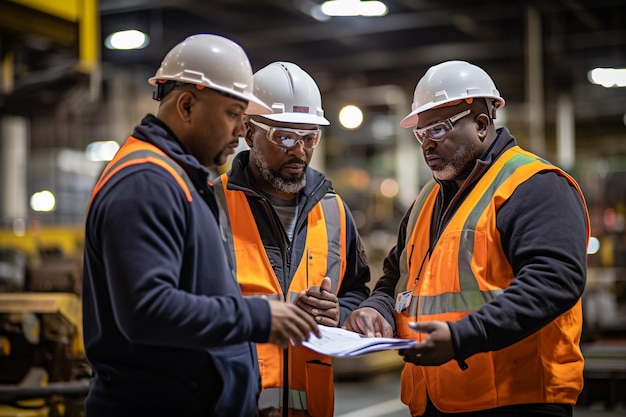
(135, 151)
(466, 270)
(309, 387)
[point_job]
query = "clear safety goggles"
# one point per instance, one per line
(440, 130)
(286, 137)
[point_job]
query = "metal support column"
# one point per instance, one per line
(565, 132)
(14, 144)
(534, 82)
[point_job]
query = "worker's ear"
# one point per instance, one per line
(482, 125)
(248, 136)
(184, 105)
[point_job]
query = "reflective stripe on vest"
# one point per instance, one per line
(224, 220)
(133, 152)
(326, 222)
(273, 397)
(276, 297)
(404, 267)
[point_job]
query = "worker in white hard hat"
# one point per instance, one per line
(166, 328)
(294, 239)
(489, 266)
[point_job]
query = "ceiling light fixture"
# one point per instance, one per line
(368, 8)
(127, 39)
(608, 77)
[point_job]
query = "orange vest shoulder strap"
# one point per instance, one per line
(420, 200)
(134, 152)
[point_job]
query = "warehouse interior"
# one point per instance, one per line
(62, 89)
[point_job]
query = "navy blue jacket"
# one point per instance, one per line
(166, 329)
(542, 228)
(281, 252)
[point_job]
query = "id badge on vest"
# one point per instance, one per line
(403, 300)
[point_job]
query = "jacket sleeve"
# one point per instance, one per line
(544, 236)
(354, 287)
(157, 295)
(383, 296)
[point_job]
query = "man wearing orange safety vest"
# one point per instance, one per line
(292, 237)
(166, 328)
(489, 266)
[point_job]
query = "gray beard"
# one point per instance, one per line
(460, 164)
(291, 186)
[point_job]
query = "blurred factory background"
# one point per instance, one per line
(66, 93)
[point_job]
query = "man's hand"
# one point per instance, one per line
(435, 350)
(290, 325)
(320, 303)
(368, 322)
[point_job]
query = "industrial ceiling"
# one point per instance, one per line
(573, 36)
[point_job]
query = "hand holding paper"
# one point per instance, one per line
(368, 321)
(343, 343)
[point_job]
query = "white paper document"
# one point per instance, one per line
(342, 343)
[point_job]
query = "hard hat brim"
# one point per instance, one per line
(410, 120)
(304, 118)
(256, 106)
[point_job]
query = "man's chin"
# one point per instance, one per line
(223, 157)
(444, 175)
(292, 185)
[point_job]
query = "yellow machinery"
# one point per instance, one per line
(43, 371)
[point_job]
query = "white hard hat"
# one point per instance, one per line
(212, 61)
(291, 93)
(447, 82)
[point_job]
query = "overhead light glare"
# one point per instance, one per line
(369, 8)
(316, 13)
(594, 245)
(311, 8)
(43, 201)
(608, 77)
(127, 39)
(103, 150)
(389, 188)
(350, 117)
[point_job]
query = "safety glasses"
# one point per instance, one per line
(440, 130)
(286, 137)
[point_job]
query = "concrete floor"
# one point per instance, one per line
(378, 396)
